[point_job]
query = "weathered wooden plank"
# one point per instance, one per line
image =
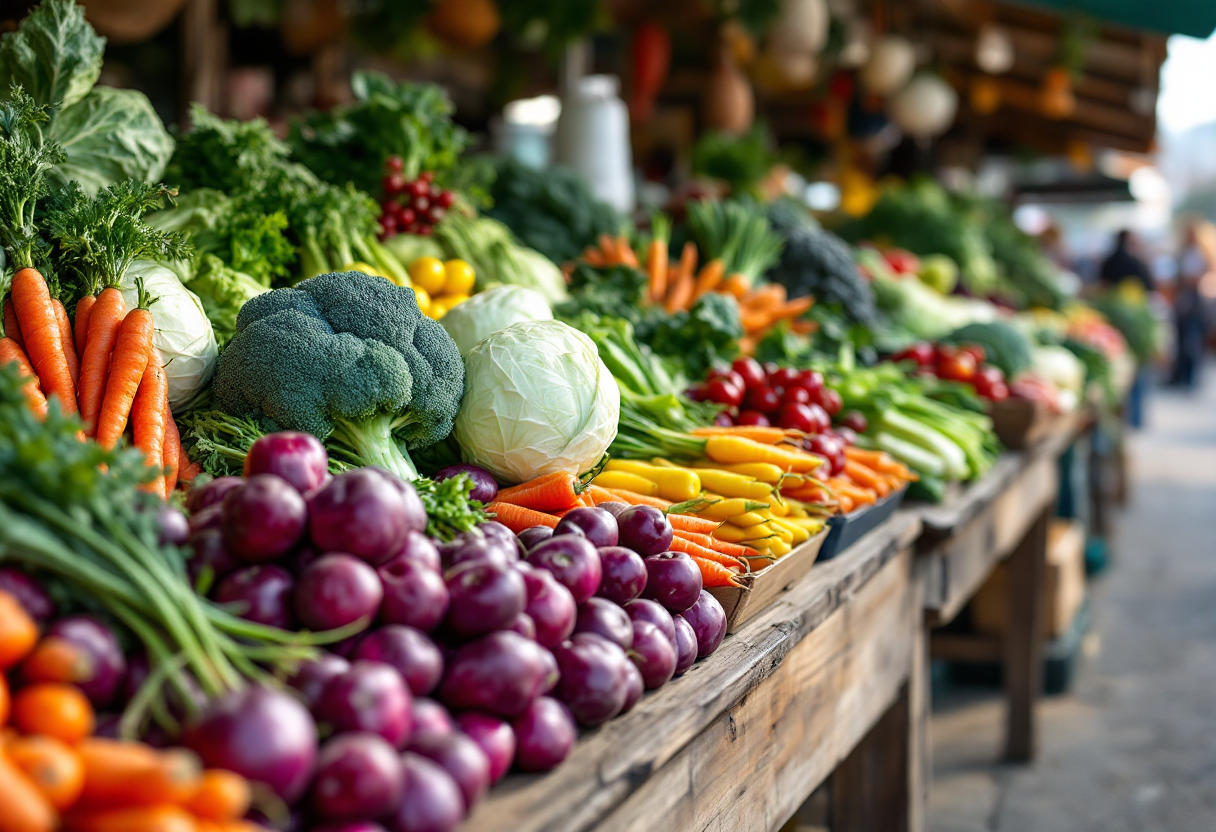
(1024, 641)
(612, 762)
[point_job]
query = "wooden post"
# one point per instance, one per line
(1023, 661)
(202, 57)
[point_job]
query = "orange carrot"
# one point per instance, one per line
(593, 257)
(132, 774)
(132, 352)
(69, 342)
(736, 285)
(18, 632)
(517, 518)
(55, 710)
(105, 320)
(657, 263)
(43, 338)
(57, 660)
(679, 295)
(549, 493)
(52, 766)
(722, 547)
(755, 321)
(173, 450)
(22, 808)
(793, 308)
(10, 350)
(768, 297)
(756, 433)
(625, 252)
(844, 488)
(148, 418)
(682, 544)
(84, 307)
(608, 250)
(6, 705)
(186, 473)
(12, 328)
(691, 524)
(711, 275)
(866, 478)
(163, 818)
(639, 499)
(845, 503)
(715, 574)
(221, 796)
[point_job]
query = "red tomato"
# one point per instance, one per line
(752, 419)
(830, 401)
(999, 391)
(723, 391)
(975, 351)
(855, 421)
(444, 199)
(393, 183)
(830, 448)
(796, 395)
(902, 261)
(764, 399)
(389, 223)
(783, 377)
(958, 367)
(991, 373)
(770, 367)
(750, 371)
(847, 435)
(922, 353)
(730, 375)
(696, 392)
(394, 164)
(797, 417)
(811, 381)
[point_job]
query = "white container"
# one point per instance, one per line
(593, 139)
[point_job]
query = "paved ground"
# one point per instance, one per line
(1132, 748)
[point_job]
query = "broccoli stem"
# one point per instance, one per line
(372, 441)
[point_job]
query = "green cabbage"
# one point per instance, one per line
(492, 310)
(537, 399)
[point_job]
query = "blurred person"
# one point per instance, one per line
(1195, 263)
(1125, 263)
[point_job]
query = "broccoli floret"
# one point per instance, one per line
(347, 357)
(1004, 345)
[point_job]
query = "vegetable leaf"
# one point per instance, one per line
(55, 54)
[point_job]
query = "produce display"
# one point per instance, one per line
(332, 494)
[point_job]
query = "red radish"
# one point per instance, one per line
(299, 458)
(369, 697)
(604, 618)
(750, 370)
(544, 735)
(493, 737)
(336, 590)
(263, 519)
(430, 801)
(752, 418)
(407, 651)
(359, 775)
(462, 759)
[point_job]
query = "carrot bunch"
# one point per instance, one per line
(868, 476)
(105, 368)
(54, 775)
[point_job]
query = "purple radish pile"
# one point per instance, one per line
(457, 661)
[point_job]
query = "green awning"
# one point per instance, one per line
(1196, 18)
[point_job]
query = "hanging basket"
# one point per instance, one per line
(130, 21)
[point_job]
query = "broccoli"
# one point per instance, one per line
(1004, 345)
(349, 358)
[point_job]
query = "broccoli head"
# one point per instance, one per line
(349, 358)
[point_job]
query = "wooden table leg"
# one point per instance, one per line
(1023, 663)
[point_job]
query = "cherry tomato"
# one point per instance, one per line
(750, 371)
(854, 421)
(435, 214)
(394, 164)
(406, 216)
(958, 367)
(976, 351)
(389, 223)
(394, 183)
(418, 188)
(729, 375)
(942, 351)
(426, 230)
(830, 448)
(421, 204)
(991, 373)
(821, 422)
(763, 398)
(796, 395)
(752, 418)
(783, 377)
(847, 435)
(444, 199)
(830, 401)
(770, 367)
(723, 391)
(921, 352)
(724, 420)
(426, 176)
(796, 417)
(811, 381)
(999, 391)
(696, 393)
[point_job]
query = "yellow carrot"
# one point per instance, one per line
(722, 509)
(729, 484)
(675, 484)
(625, 481)
(763, 471)
(736, 449)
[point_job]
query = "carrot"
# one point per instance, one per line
(6, 705)
(733, 449)
(608, 250)
(845, 503)
(625, 252)
(793, 308)
(722, 547)
(173, 450)
(756, 433)
(859, 496)
(187, 472)
(517, 518)
(755, 321)
(10, 350)
(715, 574)
(679, 295)
(57, 660)
(52, 766)
(164, 818)
(635, 499)
(132, 774)
(866, 478)
(682, 544)
(84, 308)
(69, 341)
(552, 492)
(131, 354)
(593, 257)
(43, 338)
(221, 796)
(12, 329)
(710, 276)
(689, 523)
(22, 808)
(148, 418)
(105, 320)
(768, 297)
(59, 711)
(871, 459)
(657, 263)
(736, 285)
(18, 632)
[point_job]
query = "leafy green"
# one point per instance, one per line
(55, 54)
(1134, 320)
(487, 246)
(24, 166)
(615, 290)
(552, 211)
(705, 335)
(738, 233)
(740, 161)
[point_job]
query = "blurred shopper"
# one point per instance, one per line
(1195, 262)
(1124, 263)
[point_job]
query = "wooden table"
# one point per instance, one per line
(829, 679)
(1002, 516)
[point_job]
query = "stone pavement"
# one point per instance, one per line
(1132, 747)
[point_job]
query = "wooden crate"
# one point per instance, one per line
(1064, 585)
(761, 589)
(1021, 424)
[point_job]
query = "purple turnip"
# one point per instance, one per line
(30, 594)
(407, 651)
(262, 594)
(359, 775)
(210, 561)
(613, 507)
(210, 494)
(363, 512)
(635, 687)
(419, 549)
(477, 548)
(673, 580)
(499, 673)
(414, 593)
(431, 718)
(653, 654)
(604, 618)
(261, 734)
(462, 759)
(104, 655)
(544, 735)
(624, 574)
(708, 621)
(369, 697)
(524, 625)
(430, 801)
(174, 528)
(533, 536)
(573, 561)
(493, 736)
(312, 676)
(337, 590)
(597, 525)
(485, 596)
(643, 609)
(593, 677)
(299, 458)
(264, 519)
(686, 645)
(212, 517)
(485, 489)
(550, 606)
(347, 826)
(645, 530)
